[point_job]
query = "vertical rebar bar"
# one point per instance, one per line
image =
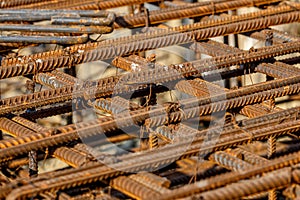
(226, 81)
(32, 155)
(71, 71)
(272, 140)
(153, 141)
(33, 164)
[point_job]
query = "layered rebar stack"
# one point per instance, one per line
(111, 100)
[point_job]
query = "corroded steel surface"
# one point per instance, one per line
(221, 127)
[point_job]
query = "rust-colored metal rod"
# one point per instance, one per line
(138, 116)
(68, 155)
(72, 157)
(180, 38)
(115, 105)
(186, 12)
(199, 88)
(149, 184)
(250, 157)
(66, 78)
(64, 95)
(133, 188)
(196, 26)
(279, 37)
(186, 69)
(277, 71)
(48, 112)
(122, 49)
(148, 160)
(84, 21)
(162, 32)
(46, 39)
(284, 35)
(228, 161)
(131, 63)
(150, 178)
(50, 13)
(31, 15)
(107, 51)
(50, 80)
(273, 180)
(214, 48)
(229, 95)
(232, 177)
(271, 142)
(55, 29)
(11, 3)
(85, 4)
(262, 36)
(163, 132)
(232, 94)
(221, 105)
(254, 110)
(268, 118)
(29, 124)
(14, 128)
(20, 162)
(102, 5)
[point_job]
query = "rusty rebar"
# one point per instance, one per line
(11, 3)
(79, 22)
(84, 5)
(196, 26)
(235, 176)
(183, 12)
(276, 70)
(146, 179)
(72, 157)
(122, 49)
(14, 128)
(276, 179)
(138, 116)
(38, 15)
(153, 141)
(48, 79)
(153, 160)
(186, 69)
(133, 188)
(184, 28)
(197, 147)
(251, 158)
(278, 36)
(229, 161)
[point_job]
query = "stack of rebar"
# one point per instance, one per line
(130, 106)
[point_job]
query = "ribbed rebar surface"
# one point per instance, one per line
(116, 100)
